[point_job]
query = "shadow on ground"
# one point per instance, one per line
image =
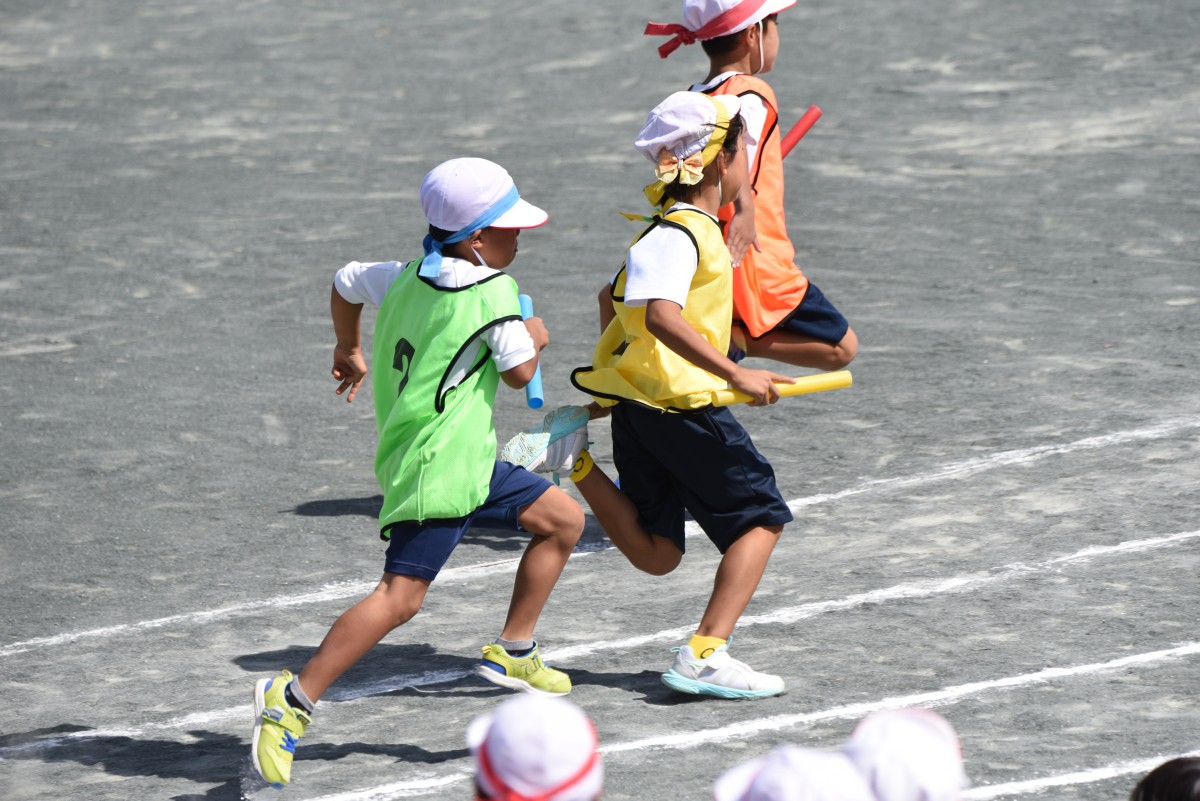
(206, 758)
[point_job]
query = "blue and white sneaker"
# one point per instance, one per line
(719, 675)
(553, 446)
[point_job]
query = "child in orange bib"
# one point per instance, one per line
(778, 313)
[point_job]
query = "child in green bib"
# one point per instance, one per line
(448, 331)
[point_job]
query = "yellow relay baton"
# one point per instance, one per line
(805, 384)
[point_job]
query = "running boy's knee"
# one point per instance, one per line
(659, 563)
(402, 596)
(401, 610)
(844, 352)
(554, 515)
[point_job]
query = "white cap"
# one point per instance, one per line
(459, 191)
(683, 124)
(908, 755)
(699, 13)
(536, 744)
(792, 773)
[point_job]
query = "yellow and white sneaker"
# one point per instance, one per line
(527, 673)
(277, 727)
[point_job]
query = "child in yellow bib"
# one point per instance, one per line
(666, 318)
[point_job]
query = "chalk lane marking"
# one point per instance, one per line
(1089, 776)
(958, 584)
(943, 697)
(341, 591)
(993, 461)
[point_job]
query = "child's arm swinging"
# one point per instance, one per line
(349, 366)
(741, 232)
(664, 319)
(517, 377)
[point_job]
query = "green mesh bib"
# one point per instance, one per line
(433, 413)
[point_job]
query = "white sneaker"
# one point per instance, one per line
(553, 446)
(718, 675)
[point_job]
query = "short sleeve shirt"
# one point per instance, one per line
(510, 342)
(660, 266)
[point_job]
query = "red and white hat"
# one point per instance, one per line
(908, 754)
(711, 19)
(536, 748)
(792, 773)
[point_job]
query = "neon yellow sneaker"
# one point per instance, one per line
(526, 673)
(277, 727)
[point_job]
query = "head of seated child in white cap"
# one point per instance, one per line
(536, 747)
(908, 755)
(792, 773)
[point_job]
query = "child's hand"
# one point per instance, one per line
(350, 368)
(596, 411)
(741, 232)
(537, 330)
(759, 384)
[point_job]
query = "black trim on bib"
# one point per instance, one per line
(659, 219)
(439, 403)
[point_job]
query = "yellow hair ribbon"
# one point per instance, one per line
(689, 171)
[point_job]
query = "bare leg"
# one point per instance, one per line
(737, 578)
(555, 521)
(618, 517)
(802, 351)
(360, 628)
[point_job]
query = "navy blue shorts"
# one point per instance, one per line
(421, 549)
(699, 462)
(816, 317)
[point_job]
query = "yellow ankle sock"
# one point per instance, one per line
(703, 647)
(583, 466)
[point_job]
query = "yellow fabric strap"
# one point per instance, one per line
(685, 170)
(583, 466)
(704, 647)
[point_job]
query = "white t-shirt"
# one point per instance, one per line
(754, 112)
(660, 265)
(510, 342)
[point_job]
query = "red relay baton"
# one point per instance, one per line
(799, 130)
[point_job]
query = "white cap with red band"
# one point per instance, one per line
(710, 19)
(536, 748)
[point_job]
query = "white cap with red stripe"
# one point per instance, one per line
(536, 748)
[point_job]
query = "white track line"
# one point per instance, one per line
(943, 697)
(336, 592)
(1134, 767)
(981, 464)
(956, 584)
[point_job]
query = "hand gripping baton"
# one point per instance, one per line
(806, 384)
(533, 390)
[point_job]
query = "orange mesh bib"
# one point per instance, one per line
(767, 286)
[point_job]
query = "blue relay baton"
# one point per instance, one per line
(533, 390)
